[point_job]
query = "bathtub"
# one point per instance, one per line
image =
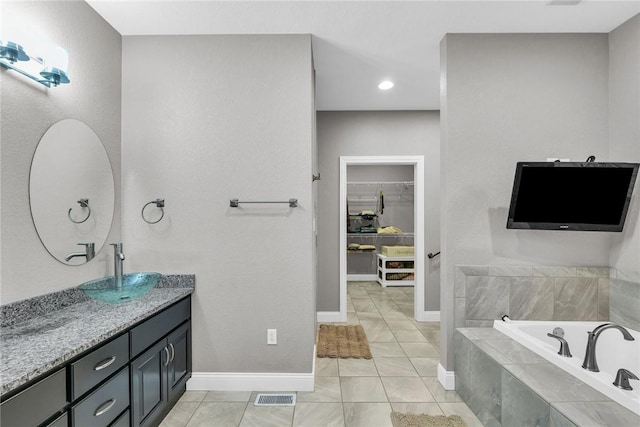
(612, 353)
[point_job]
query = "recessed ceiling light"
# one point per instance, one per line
(564, 2)
(385, 85)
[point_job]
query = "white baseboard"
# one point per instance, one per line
(253, 381)
(361, 277)
(446, 378)
(428, 316)
(328, 316)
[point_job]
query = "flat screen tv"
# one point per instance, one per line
(571, 196)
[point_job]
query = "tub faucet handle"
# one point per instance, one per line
(622, 379)
(564, 345)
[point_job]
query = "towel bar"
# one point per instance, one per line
(293, 203)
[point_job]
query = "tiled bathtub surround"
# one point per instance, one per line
(625, 300)
(506, 384)
(485, 293)
(21, 311)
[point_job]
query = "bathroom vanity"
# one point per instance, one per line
(95, 364)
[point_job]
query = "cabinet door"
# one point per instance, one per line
(179, 342)
(149, 384)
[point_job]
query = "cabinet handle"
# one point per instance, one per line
(173, 352)
(166, 351)
(104, 363)
(104, 407)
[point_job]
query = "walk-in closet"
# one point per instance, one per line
(380, 224)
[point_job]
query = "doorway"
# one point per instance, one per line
(417, 162)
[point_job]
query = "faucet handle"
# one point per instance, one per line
(564, 345)
(622, 379)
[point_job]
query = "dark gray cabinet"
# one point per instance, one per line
(37, 403)
(98, 365)
(159, 376)
(131, 380)
(61, 421)
(103, 405)
(179, 368)
(149, 384)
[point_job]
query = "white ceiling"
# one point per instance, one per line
(358, 43)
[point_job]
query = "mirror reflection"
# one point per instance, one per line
(71, 192)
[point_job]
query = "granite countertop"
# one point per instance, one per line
(37, 345)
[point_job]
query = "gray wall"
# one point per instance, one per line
(508, 98)
(28, 110)
(384, 133)
(624, 133)
(227, 117)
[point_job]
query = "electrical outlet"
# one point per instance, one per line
(272, 336)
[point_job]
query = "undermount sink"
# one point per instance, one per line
(134, 285)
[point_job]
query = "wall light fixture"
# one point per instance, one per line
(45, 63)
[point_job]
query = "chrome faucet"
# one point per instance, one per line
(590, 363)
(89, 252)
(118, 258)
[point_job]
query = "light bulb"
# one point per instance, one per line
(385, 85)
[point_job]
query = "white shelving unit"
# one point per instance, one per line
(364, 196)
(394, 270)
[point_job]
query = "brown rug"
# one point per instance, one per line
(343, 341)
(399, 419)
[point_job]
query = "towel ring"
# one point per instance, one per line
(159, 204)
(84, 203)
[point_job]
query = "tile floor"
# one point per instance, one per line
(349, 392)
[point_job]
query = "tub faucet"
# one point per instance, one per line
(590, 363)
(622, 379)
(118, 258)
(89, 252)
(558, 333)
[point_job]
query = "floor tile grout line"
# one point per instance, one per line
(386, 317)
(194, 412)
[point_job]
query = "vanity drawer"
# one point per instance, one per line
(147, 333)
(123, 420)
(102, 406)
(36, 404)
(98, 365)
(61, 421)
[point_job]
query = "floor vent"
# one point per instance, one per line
(272, 399)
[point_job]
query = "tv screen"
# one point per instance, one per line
(571, 196)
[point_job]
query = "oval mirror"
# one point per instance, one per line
(71, 192)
